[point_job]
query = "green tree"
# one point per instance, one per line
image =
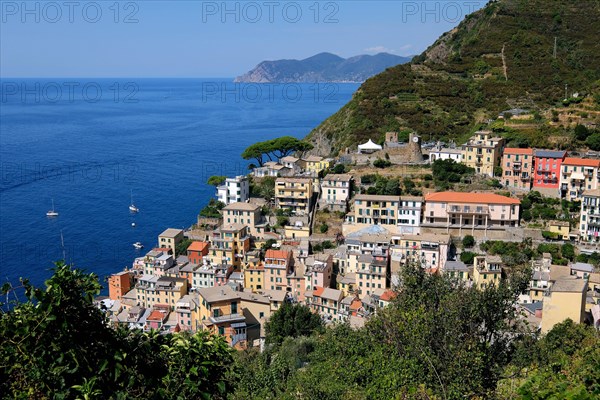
(58, 344)
(593, 141)
(339, 169)
(291, 320)
(323, 228)
(468, 241)
(567, 251)
(216, 180)
(581, 132)
(467, 257)
(182, 246)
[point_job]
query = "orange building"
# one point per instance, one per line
(119, 284)
(196, 251)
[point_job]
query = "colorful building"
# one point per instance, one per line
(547, 171)
(294, 194)
(170, 238)
(517, 168)
(589, 217)
(335, 192)
(482, 152)
(119, 284)
(470, 211)
(577, 176)
(197, 251)
(278, 265)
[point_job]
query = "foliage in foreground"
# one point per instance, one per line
(437, 339)
(57, 344)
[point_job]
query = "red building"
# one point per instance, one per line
(546, 175)
(196, 251)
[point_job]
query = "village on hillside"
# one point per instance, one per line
(334, 233)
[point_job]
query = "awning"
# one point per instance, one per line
(369, 146)
(577, 175)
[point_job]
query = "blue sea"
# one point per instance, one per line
(88, 144)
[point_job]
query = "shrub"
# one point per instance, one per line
(381, 163)
(323, 228)
(468, 241)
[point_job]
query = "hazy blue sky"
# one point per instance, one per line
(207, 38)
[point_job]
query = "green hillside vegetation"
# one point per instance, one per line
(498, 58)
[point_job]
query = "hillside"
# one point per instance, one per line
(323, 67)
(498, 58)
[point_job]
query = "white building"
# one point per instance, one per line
(234, 190)
(589, 219)
(445, 153)
(409, 214)
(335, 191)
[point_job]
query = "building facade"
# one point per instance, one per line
(589, 218)
(470, 211)
(482, 152)
(335, 192)
(294, 194)
(546, 177)
(577, 176)
(234, 190)
(517, 168)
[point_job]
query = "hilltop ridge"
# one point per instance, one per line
(500, 57)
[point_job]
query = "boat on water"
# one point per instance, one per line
(132, 207)
(138, 245)
(52, 212)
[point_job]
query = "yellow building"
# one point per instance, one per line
(170, 238)
(561, 228)
(347, 283)
(294, 194)
(483, 152)
(229, 244)
(245, 214)
(565, 299)
(221, 313)
(315, 164)
(254, 275)
(153, 290)
(487, 271)
(257, 311)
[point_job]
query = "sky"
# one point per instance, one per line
(189, 38)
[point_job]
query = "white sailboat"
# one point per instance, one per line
(52, 212)
(132, 207)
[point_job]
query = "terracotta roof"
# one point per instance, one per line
(356, 304)
(388, 295)
(198, 246)
(155, 316)
(585, 162)
(318, 291)
(458, 197)
(515, 150)
(271, 253)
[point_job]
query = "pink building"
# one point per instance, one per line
(517, 168)
(278, 265)
(470, 211)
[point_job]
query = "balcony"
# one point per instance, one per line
(516, 166)
(525, 177)
(460, 209)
